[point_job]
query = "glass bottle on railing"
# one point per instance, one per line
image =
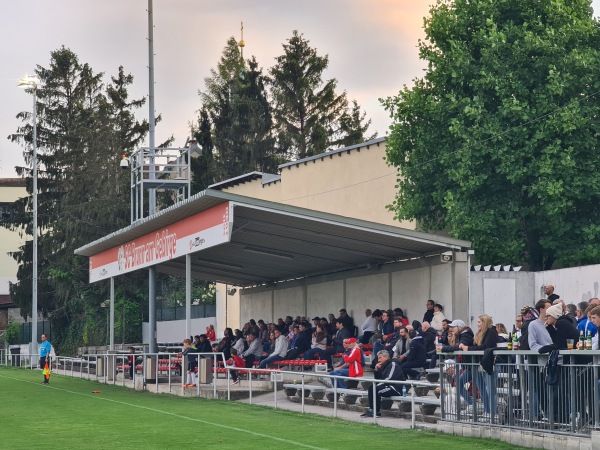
(581, 341)
(515, 342)
(510, 341)
(588, 341)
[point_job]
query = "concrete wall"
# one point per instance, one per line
(574, 285)
(355, 183)
(174, 330)
(407, 284)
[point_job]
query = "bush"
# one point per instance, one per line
(11, 334)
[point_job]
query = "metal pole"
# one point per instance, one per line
(152, 194)
(111, 345)
(34, 276)
(188, 295)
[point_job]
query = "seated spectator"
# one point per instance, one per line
(338, 345)
(385, 370)
(319, 338)
(264, 331)
(415, 358)
(254, 351)
(293, 351)
(388, 342)
(430, 336)
(278, 353)
(351, 364)
(225, 344)
(377, 334)
(402, 345)
(239, 343)
(445, 330)
(269, 345)
(202, 344)
(399, 314)
(237, 361)
(281, 326)
(438, 318)
(464, 335)
(368, 327)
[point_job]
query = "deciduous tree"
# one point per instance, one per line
(498, 142)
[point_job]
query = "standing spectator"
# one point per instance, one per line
(368, 327)
(385, 370)
(539, 340)
(428, 316)
(210, 333)
(190, 351)
(278, 353)
(45, 349)
(131, 361)
(549, 290)
(486, 337)
(560, 327)
(347, 320)
(588, 325)
(331, 327)
(264, 331)
(438, 318)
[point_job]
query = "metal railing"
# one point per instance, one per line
(520, 393)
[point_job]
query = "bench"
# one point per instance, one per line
(317, 391)
(350, 395)
(428, 405)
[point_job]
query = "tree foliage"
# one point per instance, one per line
(498, 142)
(310, 116)
(83, 126)
(255, 122)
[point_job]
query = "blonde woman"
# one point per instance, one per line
(486, 337)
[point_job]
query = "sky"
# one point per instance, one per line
(372, 48)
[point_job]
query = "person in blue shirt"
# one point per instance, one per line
(45, 349)
(586, 324)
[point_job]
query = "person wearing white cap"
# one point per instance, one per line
(463, 335)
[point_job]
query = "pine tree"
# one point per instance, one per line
(310, 116)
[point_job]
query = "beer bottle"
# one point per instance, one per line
(509, 343)
(515, 342)
(581, 341)
(588, 341)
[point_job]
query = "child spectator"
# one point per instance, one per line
(210, 333)
(236, 361)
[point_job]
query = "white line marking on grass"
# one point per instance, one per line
(206, 422)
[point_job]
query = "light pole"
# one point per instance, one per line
(31, 82)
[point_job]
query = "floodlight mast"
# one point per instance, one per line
(32, 82)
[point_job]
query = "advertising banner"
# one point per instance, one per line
(203, 230)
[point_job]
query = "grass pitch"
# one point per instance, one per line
(67, 415)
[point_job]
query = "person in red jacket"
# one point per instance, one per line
(352, 363)
(237, 361)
